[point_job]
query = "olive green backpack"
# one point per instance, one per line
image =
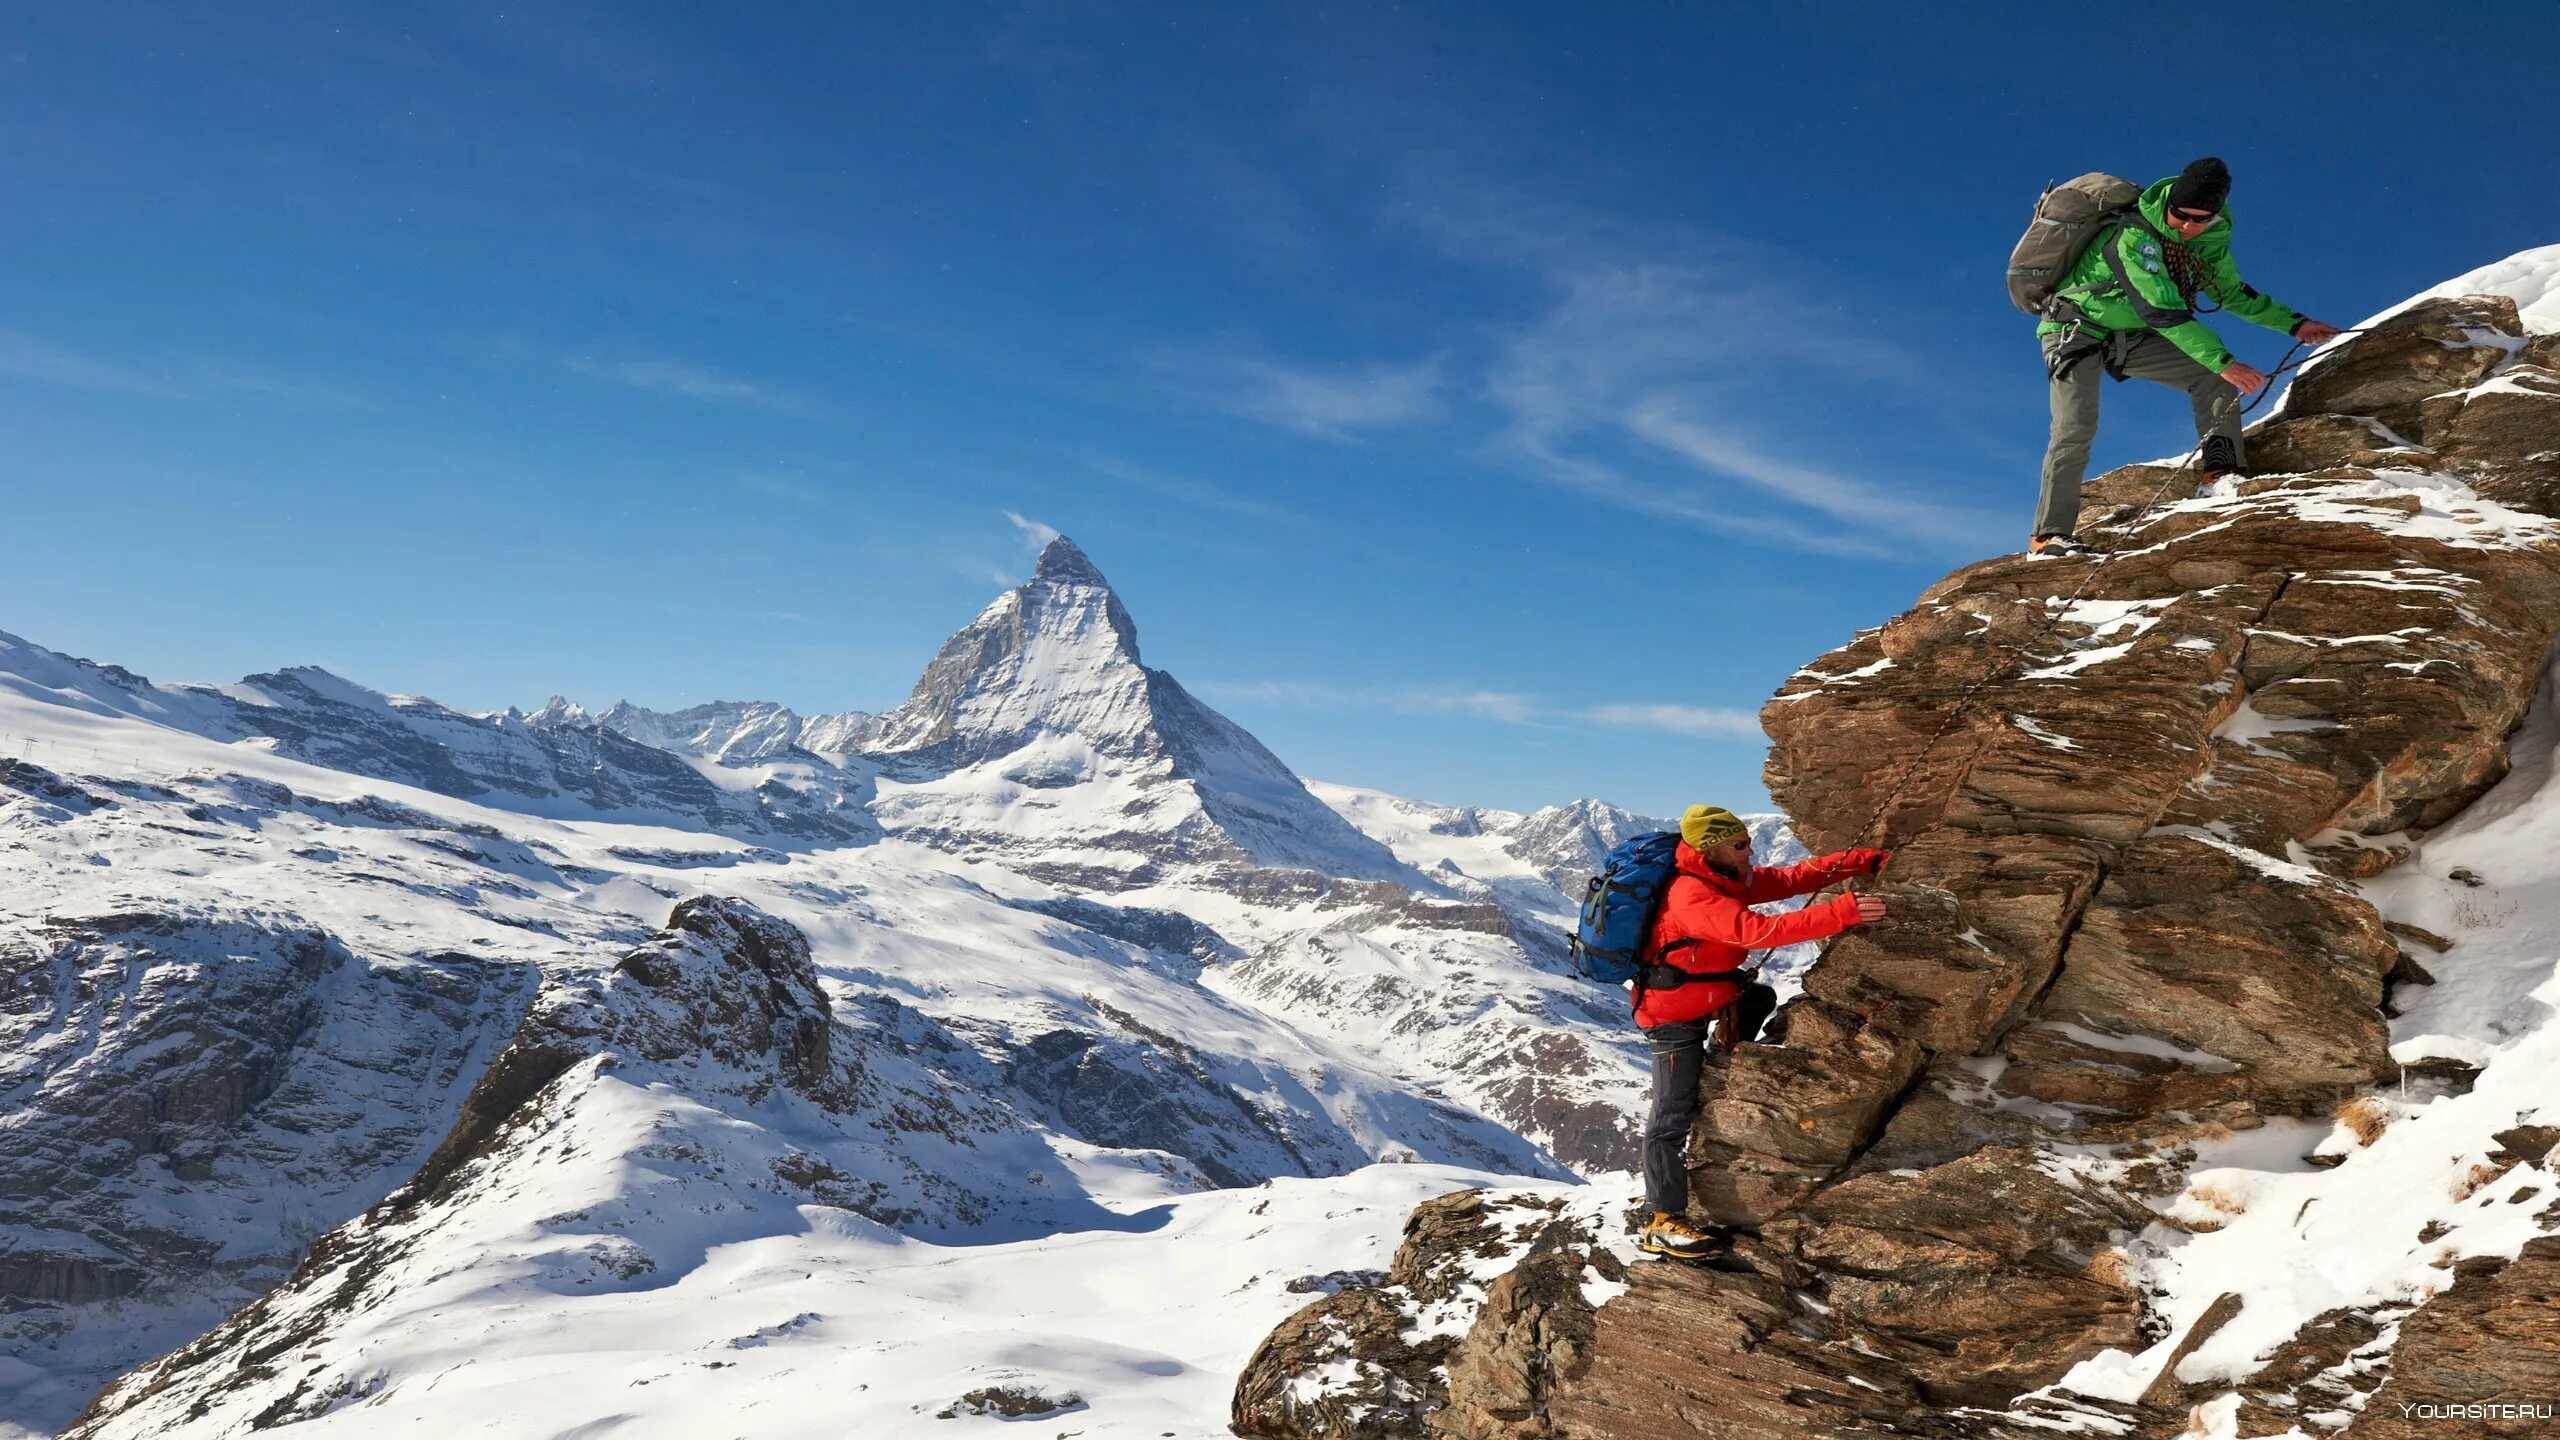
(2068, 216)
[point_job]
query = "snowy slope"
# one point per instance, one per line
(2531, 278)
(505, 759)
(833, 1327)
(1070, 1020)
(1090, 950)
(2369, 1213)
(1038, 738)
(2308, 1217)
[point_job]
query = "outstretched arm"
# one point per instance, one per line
(1723, 920)
(1785, 882)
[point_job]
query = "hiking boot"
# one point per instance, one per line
(2057, 545)
(1674, 1236)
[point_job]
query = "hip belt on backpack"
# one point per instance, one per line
(1654, 975)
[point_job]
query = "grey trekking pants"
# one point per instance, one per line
(2075, 367)
(1679, 1053)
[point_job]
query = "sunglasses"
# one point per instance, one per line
(2191, 217)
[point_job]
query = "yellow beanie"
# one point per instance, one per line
(1707, 826)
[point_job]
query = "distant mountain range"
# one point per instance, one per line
(1069, 935)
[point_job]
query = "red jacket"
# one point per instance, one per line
(1714, 911)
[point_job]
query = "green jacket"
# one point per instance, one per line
(2126, 280)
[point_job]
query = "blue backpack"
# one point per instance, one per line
(1618, 909)
(1617, 918)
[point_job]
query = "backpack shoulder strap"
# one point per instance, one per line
(1652, 970)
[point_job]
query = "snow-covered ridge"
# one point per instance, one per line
(1115, 936)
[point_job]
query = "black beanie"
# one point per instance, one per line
(2203, 185)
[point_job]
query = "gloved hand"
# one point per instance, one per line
(1866, 862)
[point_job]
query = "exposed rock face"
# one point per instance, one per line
(754, 1095)
(2492, 1342)
(2122, 797)
(187, 1098)
(557, 760)
(1037, 736)
(1385, 1359)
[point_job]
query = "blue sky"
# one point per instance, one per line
(1486, 403)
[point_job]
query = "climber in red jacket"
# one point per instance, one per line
(1693, 974)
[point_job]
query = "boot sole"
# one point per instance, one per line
(1693, 1255)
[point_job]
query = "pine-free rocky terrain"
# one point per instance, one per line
(2205, 1082)
(1043, 1051)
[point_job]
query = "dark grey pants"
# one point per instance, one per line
(2074, 370)
(1679, 1052)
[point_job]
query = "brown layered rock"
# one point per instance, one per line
(2319, 442)
(2503, 429)
(2232, 982)
(1392, 1381)
(1362, 1362)
(2483, 1357)
(1980, 1276)
(1687, 1353)
(2388, 373)
(1535, 1329)
(2120, 792)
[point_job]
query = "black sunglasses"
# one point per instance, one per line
(2192, 217)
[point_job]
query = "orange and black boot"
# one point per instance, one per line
(1673, 1236)
(2221, 461)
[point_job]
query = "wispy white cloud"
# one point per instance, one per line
(790, 488)
(687, 380)
(1872, 509)
(1036, 534)
(1330, 403)
(1505, 707)
(34, 360)
(1501, 705)
(31, 359)
(198, 378)
(231, 377)
(1641, 356)
(1714, 722)
(1670, 371)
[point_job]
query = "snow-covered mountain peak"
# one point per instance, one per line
(1058, 654)
(1062, 563)
(1038, 723)
(732, 732)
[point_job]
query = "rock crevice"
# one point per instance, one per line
(2127, 799)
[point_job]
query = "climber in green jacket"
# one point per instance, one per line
(2132, 297)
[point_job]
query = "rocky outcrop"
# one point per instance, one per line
(2484, 1355)
(764, 1097)
(186, 1097)
(1387, 1359)
(2124, 796)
